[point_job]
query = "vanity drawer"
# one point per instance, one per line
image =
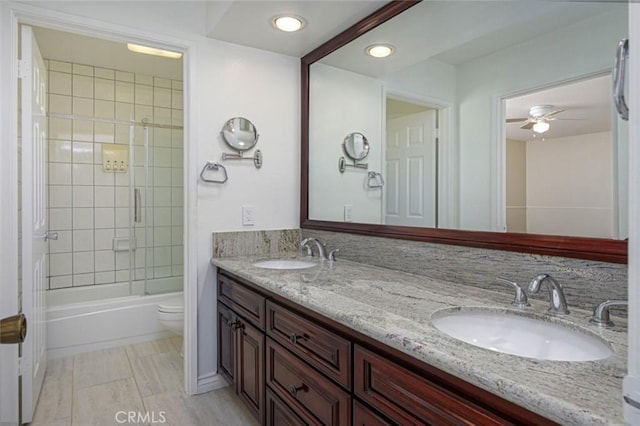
(242, 299)
(324, 350)
(278, 414)
(313, 397)
(362, 416)
(407, 398)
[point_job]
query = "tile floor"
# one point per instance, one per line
(91, 389)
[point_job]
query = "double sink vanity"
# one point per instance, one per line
(305, 341)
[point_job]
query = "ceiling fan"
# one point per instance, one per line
(538, 119)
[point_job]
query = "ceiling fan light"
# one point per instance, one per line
(541, 127)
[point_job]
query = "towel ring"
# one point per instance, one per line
(215, 167)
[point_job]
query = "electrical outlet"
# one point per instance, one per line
(248, 216)
(348, 213)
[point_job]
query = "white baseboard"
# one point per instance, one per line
(211, 381)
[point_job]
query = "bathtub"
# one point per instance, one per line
(85, 319)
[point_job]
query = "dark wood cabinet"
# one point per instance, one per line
(312, 396)
(323, 349)
(250, 372)
(293, 366)
(407, 398)
(241, 342)
(279, 414)
(227, 321)
(363, 416)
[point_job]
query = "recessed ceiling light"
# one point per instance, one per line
(153, 51)
(288, 23)
(380, 50)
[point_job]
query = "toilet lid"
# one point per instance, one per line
(173, 305)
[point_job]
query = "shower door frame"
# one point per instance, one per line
(36, 16)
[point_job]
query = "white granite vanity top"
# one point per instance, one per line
(395, 308)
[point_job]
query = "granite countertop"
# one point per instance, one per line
(395, 308)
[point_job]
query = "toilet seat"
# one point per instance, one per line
(172, 306)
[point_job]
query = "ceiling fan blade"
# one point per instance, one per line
(528, 126)
(552, 113)
(517, 120)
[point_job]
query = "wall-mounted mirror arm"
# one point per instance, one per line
(342, 165)
(257, 157)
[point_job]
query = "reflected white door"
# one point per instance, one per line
(411, 170)
(34, 219)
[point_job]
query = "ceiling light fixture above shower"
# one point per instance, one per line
(153, 51)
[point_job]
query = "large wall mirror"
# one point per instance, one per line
(491, 123)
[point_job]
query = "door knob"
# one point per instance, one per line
(13, 329)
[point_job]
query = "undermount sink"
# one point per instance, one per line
(285, 264)
(524, 335)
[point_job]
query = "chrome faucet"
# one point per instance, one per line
(322, 251)
(520, 301)
(557, 301)
(600, 315)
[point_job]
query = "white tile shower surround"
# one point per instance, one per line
(90, 389)
(88, 207)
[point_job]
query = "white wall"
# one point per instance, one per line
(577, 50)
(341, 103)
(570, 186)
(226, 80)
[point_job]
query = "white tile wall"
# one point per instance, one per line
(89, 207)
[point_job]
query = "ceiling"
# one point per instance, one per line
(587, 109)
(243, 22)
(249, 23)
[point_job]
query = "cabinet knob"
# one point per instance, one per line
(293, 338)
(293, 390)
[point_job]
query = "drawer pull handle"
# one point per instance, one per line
(293, 390)
(236, 325)
(293, 338)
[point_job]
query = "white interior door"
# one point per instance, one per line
(411, 170)
(34, 219)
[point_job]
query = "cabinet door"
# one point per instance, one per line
(250, 372)
(227, 321)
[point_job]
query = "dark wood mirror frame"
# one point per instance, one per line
(575, 247)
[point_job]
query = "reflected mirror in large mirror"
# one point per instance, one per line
(489, 116)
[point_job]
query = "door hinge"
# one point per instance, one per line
(21, 365)
(436, 133)
(23, 69)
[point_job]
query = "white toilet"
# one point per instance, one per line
(171, 314)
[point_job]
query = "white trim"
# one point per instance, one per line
(498, 145)
(211, 381)
(80, 25)
(8, 212)
(631, 383)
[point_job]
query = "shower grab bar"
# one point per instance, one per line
(137, 200)
(215, 167)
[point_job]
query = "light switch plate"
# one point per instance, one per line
(348, 213)
(248, 216)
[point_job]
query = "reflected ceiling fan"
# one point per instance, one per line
(538, 119)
